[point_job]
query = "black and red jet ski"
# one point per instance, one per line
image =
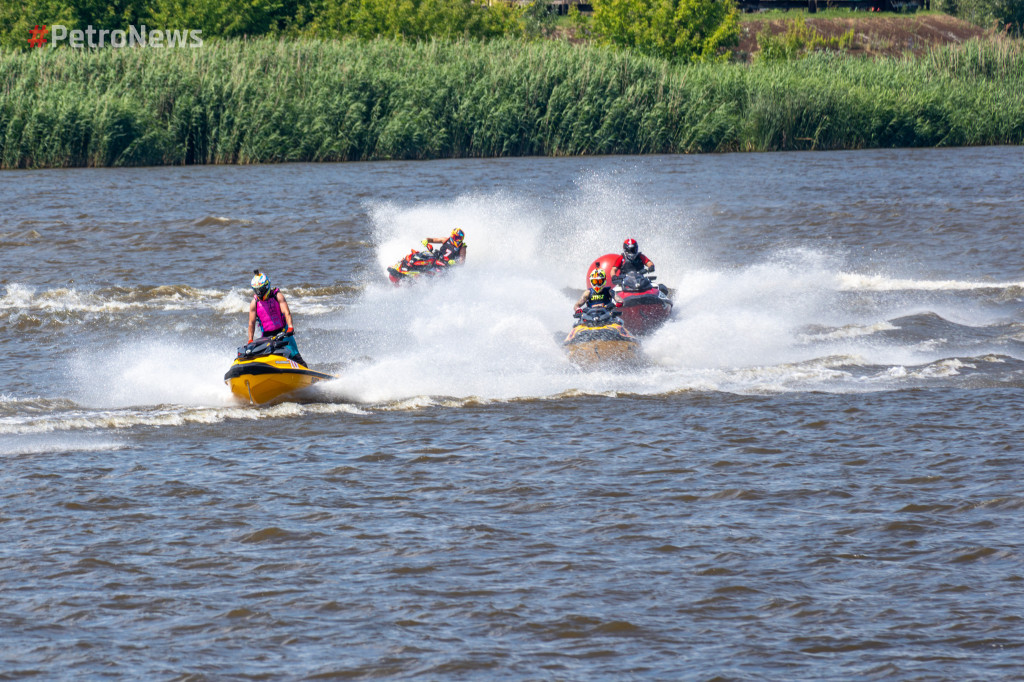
(417, 264)
(645, 306)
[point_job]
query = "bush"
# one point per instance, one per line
(798, 40)
(1004, 15)
(692, 30)
(415, 19)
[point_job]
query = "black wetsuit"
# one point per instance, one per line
(448, 251)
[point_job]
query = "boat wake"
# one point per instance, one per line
(791, 320)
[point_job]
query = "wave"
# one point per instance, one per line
(9, 240)
(220, 221)
(28, 306)
(859, 282)
(128, 418)
(35, 444)
(818, 333)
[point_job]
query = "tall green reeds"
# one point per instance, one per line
(268, 101)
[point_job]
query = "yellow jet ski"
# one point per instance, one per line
(262, 372)
(599, 339)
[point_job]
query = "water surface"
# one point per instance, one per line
(815, 477)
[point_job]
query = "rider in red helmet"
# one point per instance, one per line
(633, 260)
(452, 249)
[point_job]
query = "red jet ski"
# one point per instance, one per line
(417, 264)
(645, 306)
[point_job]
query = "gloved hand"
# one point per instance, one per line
(451, 261)
(578, 311)
(250, 340)
(289, 331)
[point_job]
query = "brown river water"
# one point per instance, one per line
(816, 475)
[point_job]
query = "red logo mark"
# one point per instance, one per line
(37, 39)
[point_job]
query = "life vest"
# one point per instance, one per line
(634, 264)
(605, 296)
(448, 251)
(269, 312)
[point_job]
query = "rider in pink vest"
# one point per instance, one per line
(269, 306)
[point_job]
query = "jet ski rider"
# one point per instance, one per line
(633, 260)
(274, 317)
(598, 295)
(452, 250)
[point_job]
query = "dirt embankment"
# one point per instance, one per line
(873, 35)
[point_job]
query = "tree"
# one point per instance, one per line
(1002, 14)
(414, 19)
(217, 18)
(17, 18)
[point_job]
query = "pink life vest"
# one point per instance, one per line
(269, 312)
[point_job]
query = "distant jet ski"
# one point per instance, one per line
(418, 264)
(263, 373)
(599, 339)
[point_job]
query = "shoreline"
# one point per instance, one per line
(581, 157)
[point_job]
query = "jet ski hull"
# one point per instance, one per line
(268, 378)
(603, 346)
(415, 266)
(643, 313)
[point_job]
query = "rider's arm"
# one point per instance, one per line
(649, 263)
(284, 310)
(583, 299)
(462, 253)
(252, 319)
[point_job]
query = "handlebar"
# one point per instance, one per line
(618, 279)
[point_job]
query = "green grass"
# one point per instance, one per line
(268, 101)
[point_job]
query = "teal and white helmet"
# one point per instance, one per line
(260, 284)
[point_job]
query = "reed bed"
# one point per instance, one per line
(268, 101)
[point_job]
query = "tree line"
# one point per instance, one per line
(692, 30)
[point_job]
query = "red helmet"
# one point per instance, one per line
(597, 278)
(630, 248)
